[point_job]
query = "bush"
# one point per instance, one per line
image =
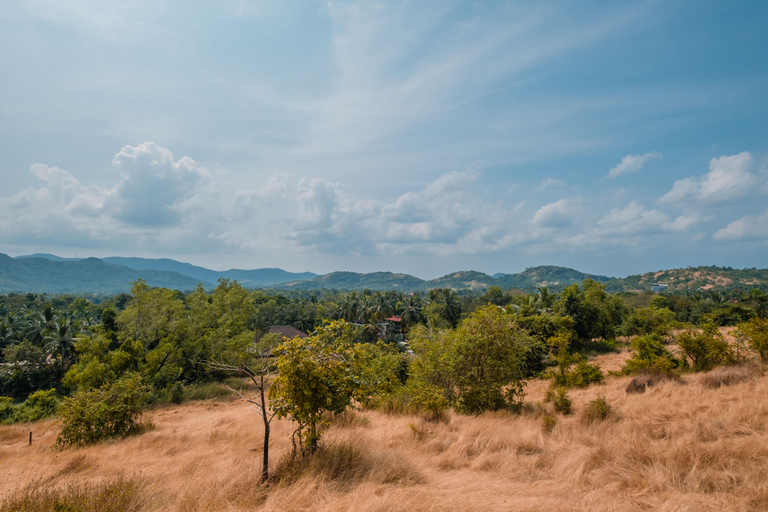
(416, 398)
(38, 405)
(649, 354)
(560, 400)
(111, 411)
(755, 332)
(7, 409)
(580, 376)
(548, 422)
(706, 349)
(597, 410)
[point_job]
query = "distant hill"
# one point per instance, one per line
(46, 273)
(550, 276)
(90, 275)
(693, 279)
(357, 281)
(258, 278)
(553, 277)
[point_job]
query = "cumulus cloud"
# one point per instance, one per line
(746, 227)
(556, 215)
(635, 219)
(153, 185)
(729, 179)
(632, 163)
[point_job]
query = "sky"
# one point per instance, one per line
(422, 137)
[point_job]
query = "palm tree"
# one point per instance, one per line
(62, 340)
(546, 299)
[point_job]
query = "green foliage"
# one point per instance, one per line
(316, 376)
(706, 349)
(755, 332)
(415, 398)
(548, 422)
(597, 315)
(596, 410)
(7, 409)
(560, 400)
(732, 314)
(649, 353)
(572, 370)
(482, 365)
(650, 320)
(112, 411)
(40, 404)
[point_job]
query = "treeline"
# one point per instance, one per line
(51, 347)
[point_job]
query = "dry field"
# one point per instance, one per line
(686, 445)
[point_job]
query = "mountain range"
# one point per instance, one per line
(46, 273)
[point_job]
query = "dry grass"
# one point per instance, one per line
(672, 448)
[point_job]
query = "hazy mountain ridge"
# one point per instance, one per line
(89, 275)
(52, 274)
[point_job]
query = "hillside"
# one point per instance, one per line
(256, 278)
(550, 276)
(693, 279)
(680, 446)
(91, 275)
(357, 281)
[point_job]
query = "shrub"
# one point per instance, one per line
(111, 411)
(40, 404)
(548, 422)
(7, 409)
(596, 410)
(706, 349)
(416, 398)
(560, 400)
(755, 332)
(649, 353)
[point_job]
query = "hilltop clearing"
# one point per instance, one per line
(679, 446)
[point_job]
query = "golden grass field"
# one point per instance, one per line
(680, 446)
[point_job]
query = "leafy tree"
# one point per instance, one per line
(315, 377)
(706, 349)
(649, 353)
(112, 411)
(755, 332)
(483, 364)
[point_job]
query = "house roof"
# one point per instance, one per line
(287, 331)
(394, 319)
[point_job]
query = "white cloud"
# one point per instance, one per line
(550, 182)
(556, 215)
(632, 220)
(729, 179)
(632, 163)
(746, 227)
(153, 185)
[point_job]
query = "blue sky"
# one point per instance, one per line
(419, 137)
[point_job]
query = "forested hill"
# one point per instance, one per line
(45, 273)
(90, 275)
(693, 279)
(531, 278)
(256, 278)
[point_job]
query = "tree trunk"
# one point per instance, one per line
(265, 418)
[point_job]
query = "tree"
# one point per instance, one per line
(256, 364)
(482, 365)
(315, 376)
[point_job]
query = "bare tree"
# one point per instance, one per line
(258, 365)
